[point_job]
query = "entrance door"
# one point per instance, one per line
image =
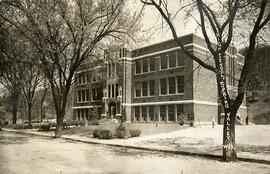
(112, 109)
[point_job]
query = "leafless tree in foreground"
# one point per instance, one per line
(223, 30)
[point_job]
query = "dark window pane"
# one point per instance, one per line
(152, 87)
(151, 113)
(144, 88)
(138, 89)
(116, 90)
(172, 87)
(163, 86)
(79, 96)
(145, 65)
(109, 91)
(144, 113)
(180, 59)
(163, 61)
(172, 60)
(83, 95)
(112, 91)
(180, 109)
(163, 112)
(152, 64)
(87, 95)
(137, 113)
(138, 66)
(171, 114)
(180, 84)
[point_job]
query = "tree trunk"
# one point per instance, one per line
(29, 114)
(229, 146)
(15, 100)
(59, 125)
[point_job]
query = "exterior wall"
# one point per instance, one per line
(205, 113)
(200, 96)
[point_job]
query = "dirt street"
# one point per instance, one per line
(24, 154)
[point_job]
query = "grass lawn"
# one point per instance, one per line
(146, 128)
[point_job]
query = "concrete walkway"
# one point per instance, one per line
(253, 142)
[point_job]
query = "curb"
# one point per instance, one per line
(176, 152)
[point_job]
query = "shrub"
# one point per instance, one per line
(53, 124)
(44, 127)
(94, 122)
(80, 123)
(263, 118)
(134, 133)
(17, 126)
(96, 133)
(36, 125)
(106, 134)
(120, 131)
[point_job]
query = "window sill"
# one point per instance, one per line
(171, 68)
(143, 73)
(145, 96)
(171, 94)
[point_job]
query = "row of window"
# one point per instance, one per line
(166, 113)
(167, 61)
(171, 85)
(113, 90)
(87, 114)
(145, 88)
(82, 78)
(83, 95)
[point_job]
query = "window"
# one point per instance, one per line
(152, 87)
(116, 90)
(137, 113)
(137, 89)
(172, 60)
(151, 113)
(172, 87)
(112, 91)
(109, 68)
(144, 88)
(163, 112)
(138, 66)
(180, 109)
(163, 61)
(180, 84)
(145, 65)
(171, 114)
(79, 96)
(109, 91)
(93, 93)
(179, 59)
(83, 94)
(163, 86)
(152, 64)
(144, 113)
(87, 95)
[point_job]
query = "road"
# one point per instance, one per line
(25, 154)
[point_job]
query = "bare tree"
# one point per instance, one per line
(221, 26)
(65, 33)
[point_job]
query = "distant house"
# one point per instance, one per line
(154, 83)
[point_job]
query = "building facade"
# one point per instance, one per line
(155, 83)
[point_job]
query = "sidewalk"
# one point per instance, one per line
(253, 142)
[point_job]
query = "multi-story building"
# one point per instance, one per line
(155, 83)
